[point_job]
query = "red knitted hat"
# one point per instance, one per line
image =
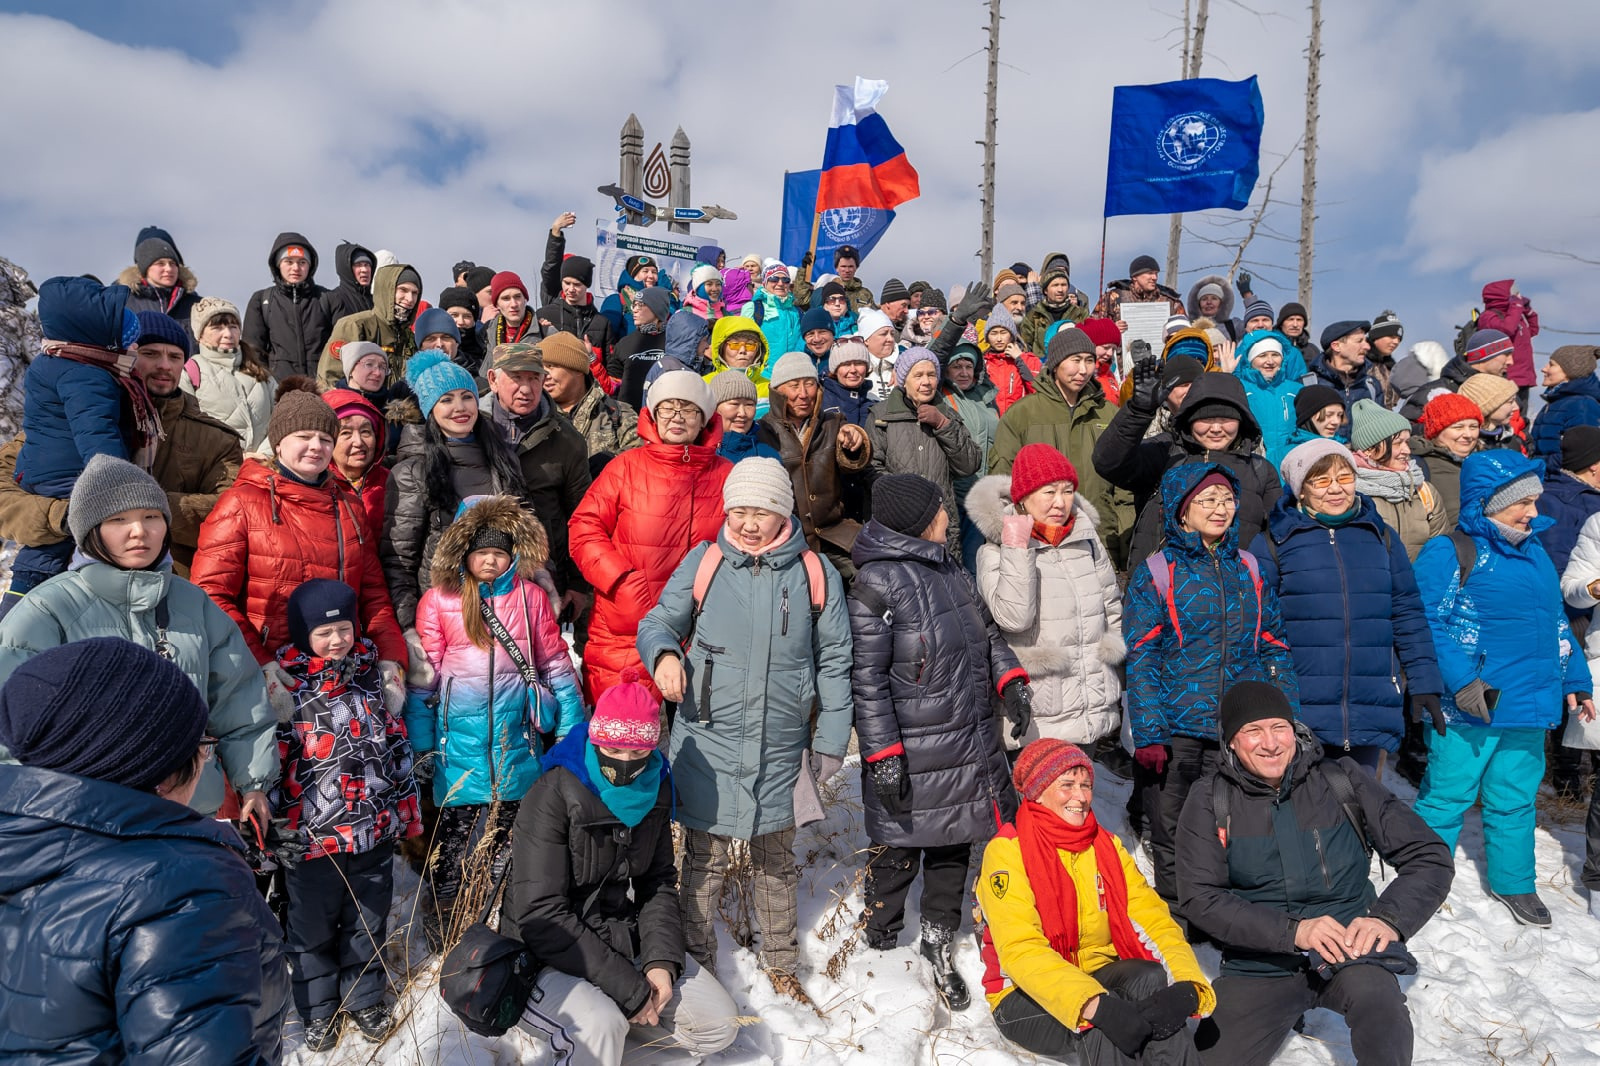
(1102, 331)
(1446, 410)
(626, 716)
(1042, 762)
(1036, 466)
(502, 281)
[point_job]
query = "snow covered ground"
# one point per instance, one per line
(1489, 991)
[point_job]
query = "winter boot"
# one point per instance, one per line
(878, 940)
(375, 1022)
(1526, 907)
(323, 1033)
(936, 949)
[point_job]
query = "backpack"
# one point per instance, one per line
(191, 370)
(1338, 779)
(706, 572)
(1161, 573)
(1466, 556)
(1465, 331)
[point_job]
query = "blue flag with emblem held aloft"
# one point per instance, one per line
(1183, 146)
(839, 226)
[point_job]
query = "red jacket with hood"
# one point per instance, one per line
(269, 533)
(1515, 317)
(635, 525)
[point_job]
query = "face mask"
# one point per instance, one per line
(620, 772)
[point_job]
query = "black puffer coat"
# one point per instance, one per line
(132, 930)
(289, 323)
(431, 477)
(351, 297)
(588, 894)
(1124, 457)
(925, 685)
(584, 322)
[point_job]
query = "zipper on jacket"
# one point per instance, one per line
(1322, 858)
(1222, 668)
(703, 712)
(338, 530)
(783, 606)
(1344, 599)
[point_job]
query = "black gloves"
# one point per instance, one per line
(1146, 375)
(1428, 704)
(1473, 700)
(1169, 1010)
(1016, 700)
(285, 844)
(1122, 1023)
(891, 782)
(1243, 284)
(975, 304)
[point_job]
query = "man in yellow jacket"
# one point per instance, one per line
(1064, 967)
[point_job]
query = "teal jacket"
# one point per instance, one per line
(755, 664)
(99, 600)
(1272, 402)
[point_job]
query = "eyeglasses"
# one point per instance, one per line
(835, 300)
(1327, 482)
(1215, 503)
(675, 411)
(743, 347)
(928, 312)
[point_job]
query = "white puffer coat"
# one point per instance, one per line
(1061, 611)
(229, 395)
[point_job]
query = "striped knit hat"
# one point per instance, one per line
(1045, 760)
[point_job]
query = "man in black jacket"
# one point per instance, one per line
(287, 322)
(1273, 866)
(355, 266)
(573, 309)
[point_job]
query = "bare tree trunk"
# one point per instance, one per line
(1194, 43)
(991, 120)
(1308, 181)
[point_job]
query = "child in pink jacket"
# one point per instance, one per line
(483, 710)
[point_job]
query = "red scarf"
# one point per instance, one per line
(1043, 835)
(505, 333)
(1052, 535)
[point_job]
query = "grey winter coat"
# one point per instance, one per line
(1061, 611)
(926, 675)
(902, 445)
(756, 666)
(99, 600)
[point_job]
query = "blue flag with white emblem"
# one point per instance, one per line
(1183, 146)
(861, 227)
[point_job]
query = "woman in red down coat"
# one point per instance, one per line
(642, 515)
(1510, 312)
(284, 522)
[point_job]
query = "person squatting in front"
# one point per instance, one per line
(750, 640)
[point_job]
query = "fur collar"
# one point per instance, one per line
(989, 502)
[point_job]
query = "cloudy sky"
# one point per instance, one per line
(1460, 139)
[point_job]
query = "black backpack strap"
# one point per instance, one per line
(1466, 555)
(873, 601)
(1221, 801)
(1338, 780)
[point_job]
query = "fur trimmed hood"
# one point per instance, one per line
(989, 501)
(528, 539)
(131, 277)
(403, 411)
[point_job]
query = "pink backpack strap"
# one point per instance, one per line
(1161, 576)
(703, 574)
(191, 370)
(817, 580)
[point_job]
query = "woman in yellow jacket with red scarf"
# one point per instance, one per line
(1064, 967)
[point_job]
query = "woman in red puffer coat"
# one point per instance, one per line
(642, 515)
(284, 522)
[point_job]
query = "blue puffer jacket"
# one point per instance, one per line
(71, 411)
(1568, 503)
(1354, 619)
(1364, 387)
(1272, 402)
(1225, 631)
(854, 404)
(736, 446)
(169, 954)
(1506, 626)
(1571, 403)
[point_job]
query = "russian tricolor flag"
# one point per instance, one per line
(863, 165)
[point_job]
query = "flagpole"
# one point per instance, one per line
(811, 254)
(1102, 291)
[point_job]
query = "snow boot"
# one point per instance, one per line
(1526, 907)
(880, 941)
(322, 1034)
(375, 1022)
(936, 949)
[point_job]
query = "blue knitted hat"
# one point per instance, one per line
(104, 708)
(431, 374)
(158, 327)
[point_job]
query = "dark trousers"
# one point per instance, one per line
(33, 567)
(1163, 804)
(1255, 1014)
(1566, 764)
(1591, 860)
(890, 872)
(461, 830)
(1022, 1021)
(338, 915)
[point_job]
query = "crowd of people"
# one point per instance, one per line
(527, 574)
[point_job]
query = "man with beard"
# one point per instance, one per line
(1139, 287)
(196, 458)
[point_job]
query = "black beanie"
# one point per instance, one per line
(1312, 399)
(461, 268)
(905, 503)
(821, 296)
(1251, 701)
(893, 289)
(1144, 264)
(1181, 371)
(154, 243)
(1580, 448)
(317, 603)
(479, 278)
(103, 708)
(1290, 310)
(458, 296)
(578, 268)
